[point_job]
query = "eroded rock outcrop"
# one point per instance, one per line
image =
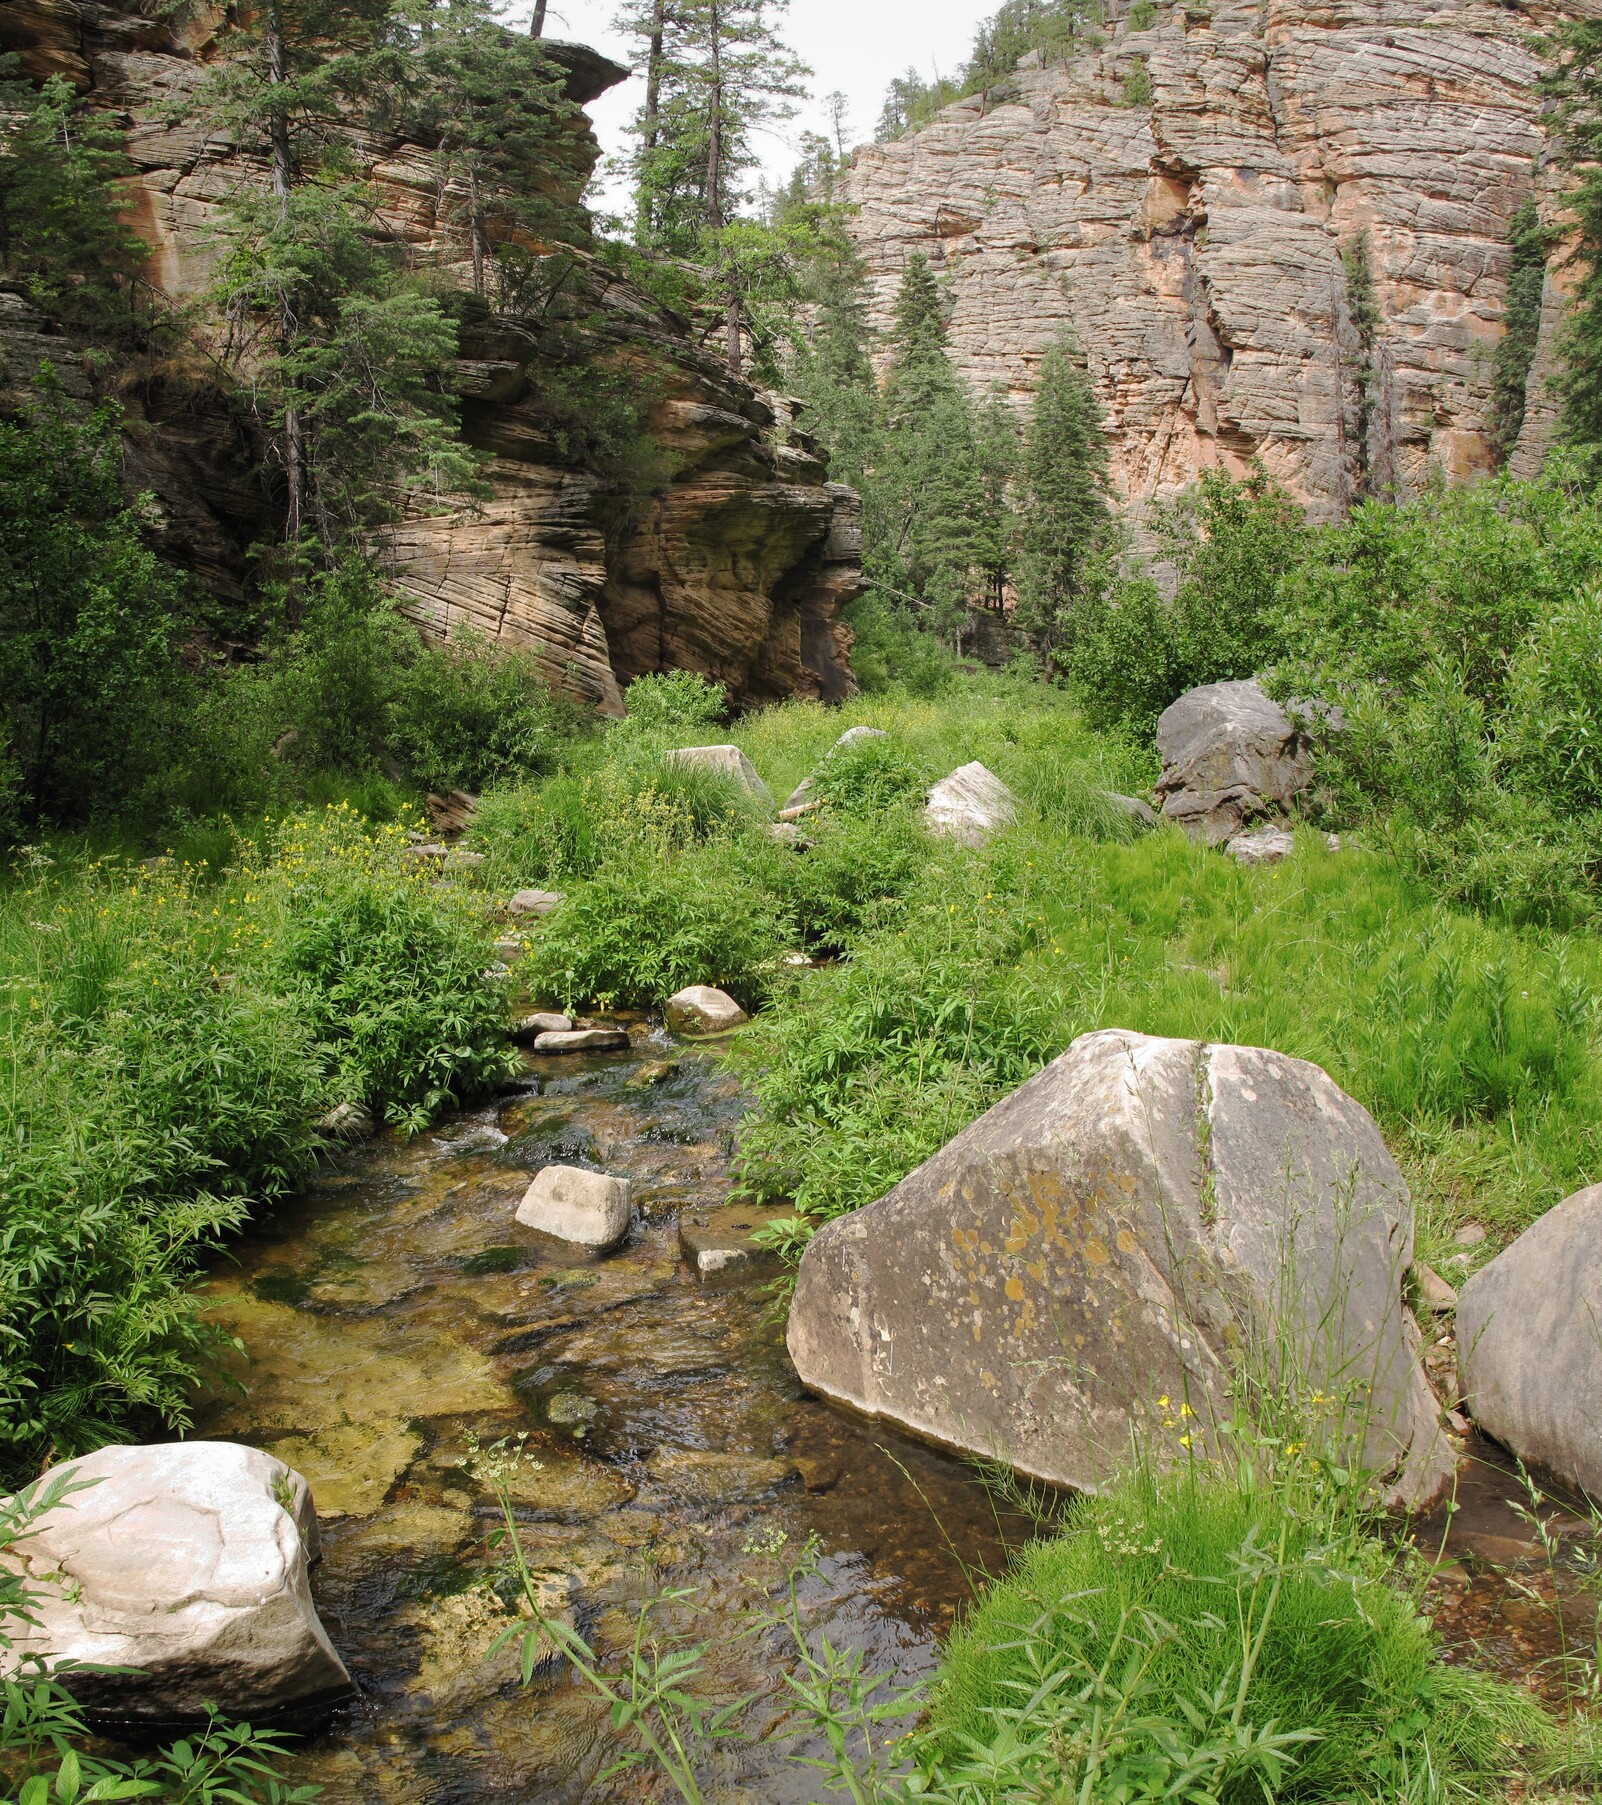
(1231, 756)
(1142, 1225)
(736, 566)
(1194, 244)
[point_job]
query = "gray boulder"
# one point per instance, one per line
(1230, 756)
(806, 790)
(543, 1021)
(1529, 1342)
(1262, 846)
(581, 1040)
(187, 1564)
(1138, 1226)
(725, 761)
(590, 1209)
(1133, 807)
(535, 902)
(702, 1009)
(969, 806)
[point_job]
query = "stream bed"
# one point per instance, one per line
(397, 1319)
(396, 1314)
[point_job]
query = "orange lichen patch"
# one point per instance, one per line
(1096, 1250)
(1126, 1241)
(1015, 1290)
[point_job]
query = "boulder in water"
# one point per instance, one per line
(702, 1009)
(1140, 1226)
(590, 1209)
(581, 1040)
(1529, 1341)
(187, 1564)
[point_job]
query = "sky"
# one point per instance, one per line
(855, 46)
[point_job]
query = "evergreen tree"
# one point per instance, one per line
(1063, 503)
(1531, 244)
(63, 240)
(1574, 80)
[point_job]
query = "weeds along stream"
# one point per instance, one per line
(397, 1317)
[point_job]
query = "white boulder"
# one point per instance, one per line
(702, 1009)
(725, 761)
(970, 805)
(187, 1564)
(590, 1209)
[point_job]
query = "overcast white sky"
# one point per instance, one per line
(855, 46)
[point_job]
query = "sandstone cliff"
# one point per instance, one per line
(735, 566)
(1194, 243)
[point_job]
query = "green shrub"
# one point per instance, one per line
(870, 774)
(854, 872)
(1142, 15)
(1121, 658)
(644, 927)
(1553, 736)
(1201, 1638)
(674, 699)
(890, 651)
(468, 714)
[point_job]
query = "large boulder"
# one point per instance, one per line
(186, 1564)
(1529, 1341)
(723, 761)
(590, 1209)
(703, 1009)
(807, 789)
(970, 805)
(1231, 755)
(1145, 1223)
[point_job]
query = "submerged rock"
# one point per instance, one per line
(1231, 755)
(590, 1209)
(1529, 1338)
(723, 761)
(721, 1241)
(705, 1478)
(970, 805)
(186, 1563)
(1129, 1231)
(702, 1009)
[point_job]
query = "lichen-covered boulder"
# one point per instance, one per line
(723, 761)
(704, 1009)
(1529, 1342)
(1231, 755)
(970, 805)
(590, 1209)
(185, 1563)
(1140, 1226)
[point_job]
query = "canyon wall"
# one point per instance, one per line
(1192, 243)
(735, 564)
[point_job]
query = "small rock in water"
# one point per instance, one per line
(187, 1565)
(1262, 846)
(582, 1040)
(654, 1071)
(712, 1241)
(1471, 1234)
(545, 1021)
(701, 1009)
(536, 902)
(705, 1478)
(590, 1209)
(510, 949)
(569, 1408)
(969, 806)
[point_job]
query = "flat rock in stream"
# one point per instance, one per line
(582, 1040)
(187, 1564)
(351, 1466)
(590, 1209)
(720, 1242)
(1120, 1234)
(704, 1478)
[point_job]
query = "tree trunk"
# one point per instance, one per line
(650, 123)
(536, 25)
(714, 123)
(283, 182)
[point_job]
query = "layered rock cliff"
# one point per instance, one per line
(1193, 242)
(735, 564)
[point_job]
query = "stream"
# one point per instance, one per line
(397, 1317)
(396, 1313)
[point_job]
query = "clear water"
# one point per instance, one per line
(397, 1310)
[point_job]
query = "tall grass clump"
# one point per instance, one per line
(172, 1037)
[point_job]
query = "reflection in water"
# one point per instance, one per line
(397, 1313)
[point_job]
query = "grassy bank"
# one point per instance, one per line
(964, 972)
(172, 1037)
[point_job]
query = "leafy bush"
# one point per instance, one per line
(854, 872)
(469, 714)
(674, 699)
(1553, 738)
(891, 652)
(1202, 1637)
(867, 775)
(1121, 659)
(172, 1041)
(645, 927)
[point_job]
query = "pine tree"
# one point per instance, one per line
(1063, 501)
(1574, 80)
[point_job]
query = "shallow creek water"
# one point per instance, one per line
(397, 1313)
(397, 1310)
